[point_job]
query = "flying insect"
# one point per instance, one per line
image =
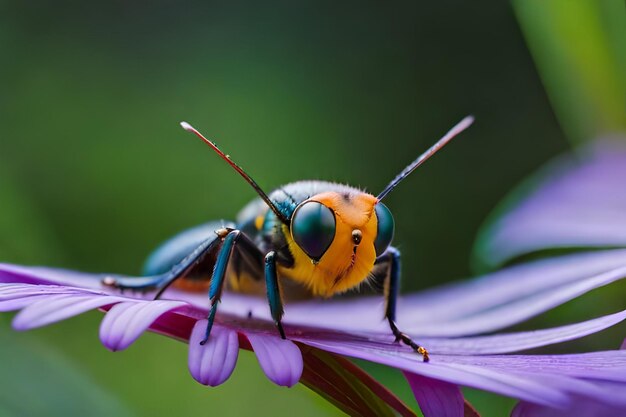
(314, 237)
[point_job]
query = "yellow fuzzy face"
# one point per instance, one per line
(336, 258)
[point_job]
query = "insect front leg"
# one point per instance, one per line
(217, 279)
(273, 292)
(163, 281)
(391, 260)
(248, 254)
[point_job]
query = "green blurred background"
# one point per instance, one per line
(95, 171)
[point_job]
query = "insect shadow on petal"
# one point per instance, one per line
(314, 237)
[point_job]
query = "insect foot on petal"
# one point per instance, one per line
(404, 338)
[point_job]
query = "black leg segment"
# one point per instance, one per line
(234, 241)
(273, 292)
(391, 262)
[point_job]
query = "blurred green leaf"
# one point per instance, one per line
(579, 48)
(24, 234)
(37, 381)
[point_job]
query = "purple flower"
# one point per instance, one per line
(448, 321)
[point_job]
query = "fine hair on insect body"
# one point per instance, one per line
(315, 238)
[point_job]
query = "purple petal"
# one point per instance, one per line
(579, 203)
(604, 365)
(214, 362)
(436, 398)
(609, 393)
(50, 309)
(12, 291)
(126, 321)
(515, 342)
(494, 301)
(513, 375)
(581, 407)
(17, 296)
(18, 303)
(517, 311)
(550, 281)
(508, 285)
(517, 376)
(483, 293)
(281, 360)
(484, 345)
(501, 381)
(45, 275)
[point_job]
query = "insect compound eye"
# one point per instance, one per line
(384, 234)
(313, 228)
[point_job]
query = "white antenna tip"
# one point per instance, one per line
(187, 126)
(468, 120)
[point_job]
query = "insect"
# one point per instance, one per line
(314, 237)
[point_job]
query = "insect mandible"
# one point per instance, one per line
(315, 238)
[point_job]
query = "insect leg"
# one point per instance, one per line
(234, 242)
(162, 281)
(217, 279)
(391, 258)
(273, 292)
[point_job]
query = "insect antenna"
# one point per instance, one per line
(240, 170)
(458, 128)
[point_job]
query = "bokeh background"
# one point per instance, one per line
(95, 171)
